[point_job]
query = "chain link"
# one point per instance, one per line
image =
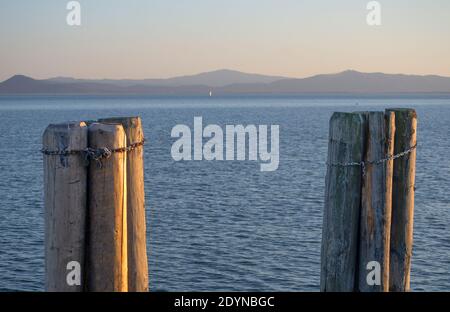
(96, 154)
(363, 164)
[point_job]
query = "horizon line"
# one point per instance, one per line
(229, 70)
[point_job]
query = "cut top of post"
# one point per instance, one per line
(131, 125)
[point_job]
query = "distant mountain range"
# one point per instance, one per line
(228, 82)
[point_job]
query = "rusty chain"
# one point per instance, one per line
(96, 154)
(363, 164)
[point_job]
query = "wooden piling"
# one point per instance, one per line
(376, 202)
(403, 200)
(137, 249)
(65, 178)
(342, 202)
(107, 205)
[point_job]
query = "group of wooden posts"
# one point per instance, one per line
(95, 210)
(369, 201)
(94, 206)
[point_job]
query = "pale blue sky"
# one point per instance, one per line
(163, 38)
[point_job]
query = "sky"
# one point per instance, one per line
(165, 38)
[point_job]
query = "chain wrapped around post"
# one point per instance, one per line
(95, 154)
(363, 164)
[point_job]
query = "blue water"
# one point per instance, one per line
(221, 225)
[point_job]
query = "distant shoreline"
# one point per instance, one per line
(235, 96)
(226, 83)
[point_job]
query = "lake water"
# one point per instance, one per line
(221, 225)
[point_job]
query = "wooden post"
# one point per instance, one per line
(107, 248)
(65, 179)
(342, 203)
(137, 249)
(375, 226)
(403, 199)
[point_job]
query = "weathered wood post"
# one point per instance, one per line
(403, 199)
(137, 249)
(107, 223)
(376, 200)
(381, 200)
(65, 178)
(342, 202)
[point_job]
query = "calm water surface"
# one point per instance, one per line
(221, 225)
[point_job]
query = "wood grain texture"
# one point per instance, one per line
(342, 203)
(137, 248)
(65, 184)
(107, 250)
(403, 200)
(376, 201)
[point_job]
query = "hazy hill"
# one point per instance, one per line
(357, 82)
(217, 78)
(226, 82)
(20, 84)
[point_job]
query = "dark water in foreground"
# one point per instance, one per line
(222, 225)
